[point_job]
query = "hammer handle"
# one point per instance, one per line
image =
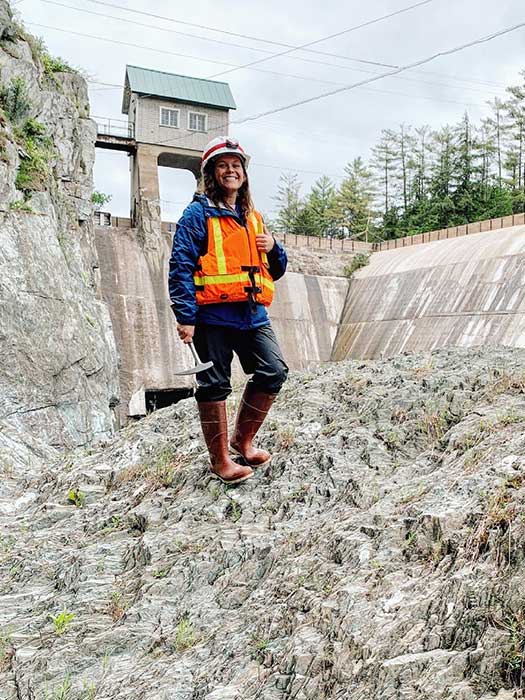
(195, 354)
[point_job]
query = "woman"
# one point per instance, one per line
(222, 268)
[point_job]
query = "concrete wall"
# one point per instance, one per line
(305, 314)
(459, 292)
(149, 130)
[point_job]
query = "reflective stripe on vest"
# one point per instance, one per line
(219, 250)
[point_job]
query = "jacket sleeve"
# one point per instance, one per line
(189, 243)
(277, 261)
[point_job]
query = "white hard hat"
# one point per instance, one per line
(223, 144)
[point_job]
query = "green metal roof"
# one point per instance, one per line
(181, 88)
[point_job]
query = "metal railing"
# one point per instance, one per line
(107, 126)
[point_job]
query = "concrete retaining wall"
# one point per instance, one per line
(463, 291)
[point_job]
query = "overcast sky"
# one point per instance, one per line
(312, 139)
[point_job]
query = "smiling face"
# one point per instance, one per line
(229, 174)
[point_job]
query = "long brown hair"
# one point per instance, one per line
(209, 186)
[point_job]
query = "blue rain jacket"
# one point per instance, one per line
(190, 242)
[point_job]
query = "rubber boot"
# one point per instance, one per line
(254, 406)
(214, 423)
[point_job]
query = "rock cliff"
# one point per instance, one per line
(58, 376)
(380, 556)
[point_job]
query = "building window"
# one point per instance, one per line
(197, 121)
(169, 117)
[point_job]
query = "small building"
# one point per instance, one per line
(169, 109)
(172, 117)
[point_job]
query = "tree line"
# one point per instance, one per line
(418, 179)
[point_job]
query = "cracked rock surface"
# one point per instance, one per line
(58, 369)
(379, 556)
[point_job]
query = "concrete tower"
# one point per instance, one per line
(172, 117)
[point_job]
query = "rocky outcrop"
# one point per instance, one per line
(379, 556)
(58, 376)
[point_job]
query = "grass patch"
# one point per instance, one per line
(233, 511)
(184, 636)
(22, 206)
(434, 424)
(502, 382)
(258, 647)
(286, 437)
(158, 470)
(494, 527)
(5, 650)
(513, 653)
(54, 64)
(117, 606)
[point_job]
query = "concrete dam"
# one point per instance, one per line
(459, 292)
(462, 291)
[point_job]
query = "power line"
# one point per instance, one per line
(198, 58)
(280, 73)
(361, 83)
(330, 36)
(272, 42)
(226, 32)
(126, 43)
(153, 26)
(401, 69)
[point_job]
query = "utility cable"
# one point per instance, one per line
(352, 86)
(223, 31)
(368, 23)
(401, 69)
(261, 70)
(274, 43)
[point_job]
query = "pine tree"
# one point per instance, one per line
(289, 203)
(354, 204)
(321, 204)
(514, 109)
(383, 164)
(441, 209)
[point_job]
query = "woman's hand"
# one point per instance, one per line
(185, 333)
(265, 241)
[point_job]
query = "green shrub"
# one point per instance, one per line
(14, 100)
(54, 64)
(34, 167)
(76, 497)
(99, 199)
(61, 621)
(359, 260)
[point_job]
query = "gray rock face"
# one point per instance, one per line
(380, 555)
(58, 375)
(318, 261)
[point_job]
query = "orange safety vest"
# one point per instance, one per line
(233, 269)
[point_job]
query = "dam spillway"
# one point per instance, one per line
(463, 291)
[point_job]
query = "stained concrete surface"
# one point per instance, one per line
(459, 292)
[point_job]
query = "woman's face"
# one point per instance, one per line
(229, 173)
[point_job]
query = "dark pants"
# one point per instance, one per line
(258, 353)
